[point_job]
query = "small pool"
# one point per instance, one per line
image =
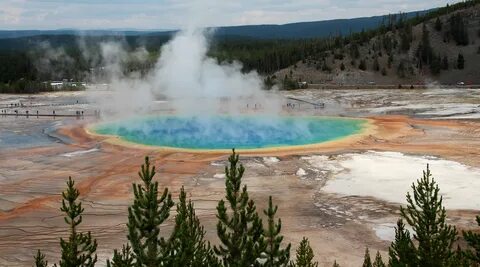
(225, 132)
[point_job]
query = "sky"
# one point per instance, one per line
(175, 14)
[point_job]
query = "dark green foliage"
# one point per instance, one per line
(445, 63)
(289, 84)
(438, 24)
(458, 29)
(269, 82)
(239, 227)
(338, 56)
(473, 240)
(362, 65)
(384, 72)
(376, 65)
(402, 252)
(436, 64)
(187, 246)
(367, 261)
(305, 255)
(459, 259)
(342, 67)
(325, 67)
(24, 86)
(401, 70)
(40, 260)
(148, 212)
(378, 261)
(79, 249)
(354, 51)
(460, 62)
(425, 51)
(274, 254)
(427, 217)
(122, 259)
(406, 38)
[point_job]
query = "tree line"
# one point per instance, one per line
(81, 59)
(248, 238)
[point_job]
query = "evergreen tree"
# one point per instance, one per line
(425, 50)
(240, 230)
(335, 264)
(79, 249)
(274, 255)
(458, 29)
(390, 61)
(473, 240)
(401, 70)
(367, 261)
(305, 255)
(427, 216)
(402, 252)
(438, 24)
(460, 62)
(384, 71)
(145, 216)
(445, 63)
(459, 259)
(122, 259)
(40, 260)
(362, 65)
(187, 246)
(435, 64)
(378, 261)
(376, 65)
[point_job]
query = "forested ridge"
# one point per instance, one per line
(35, 59)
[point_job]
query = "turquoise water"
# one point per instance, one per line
(225, 132)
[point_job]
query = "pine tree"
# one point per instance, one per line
(145, 216)
(435, 64)
(362, 65)
(367, 261)
(305, 255)
(402, 252)
(459, 259)
(274, 255)
(40, 260)
(376, 65)
(460, 62)
(240, 230)
(187, 246)
(335, 264)
(378, 261)
(473, 240)
(79, 249)
(122, 259)
(445, 63)
(427, 216)
(438, 24)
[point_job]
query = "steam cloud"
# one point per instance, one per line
(190, 81)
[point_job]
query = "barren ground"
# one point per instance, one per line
(35, 162)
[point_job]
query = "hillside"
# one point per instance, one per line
(298, 30)
(408, 53)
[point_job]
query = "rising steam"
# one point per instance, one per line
(184, 76)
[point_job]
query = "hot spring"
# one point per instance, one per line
(226, 132)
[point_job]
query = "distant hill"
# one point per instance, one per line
(314, 29)
(443, 48)
(299, 30)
